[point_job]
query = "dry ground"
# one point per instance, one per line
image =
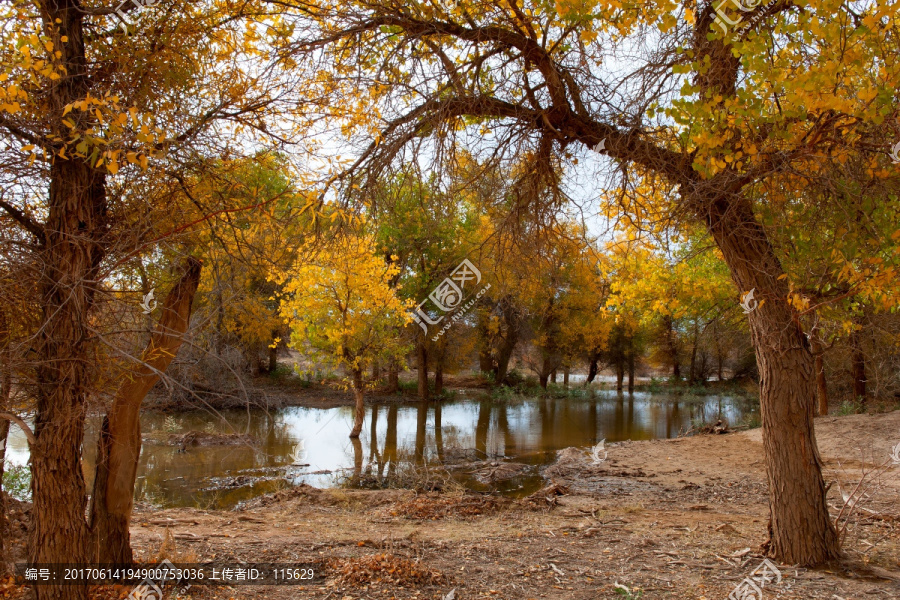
(677, 518)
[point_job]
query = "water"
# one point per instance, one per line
(528, 432)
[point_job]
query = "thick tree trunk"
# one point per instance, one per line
(800, 528)
(119, 444)
(542, 377)
(422, 366)
(360, 404)
(566, 377)
(70, 263)
(553, 376)
(73, 245)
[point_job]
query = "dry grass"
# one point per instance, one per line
(384, 568)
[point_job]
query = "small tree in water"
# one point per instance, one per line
(342, 309)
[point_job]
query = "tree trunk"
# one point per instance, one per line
(73, 245)
(357, 458)
(592, 369)
(566, 377)
(438, 433)
(393, 382)
(692, 376)
(672, 343)
(439, 376)
(631, 367)
(508, 340)
(70, 262)
(821, 382)
(421, 431)
(542, 377)
(376, 371)
(858, 369)
(422, 366)
(553, 376)
(720, 355)
(119, 443)
(273, 358)
(485, 362)
(360, 405)
(620, 372)
(800, 528)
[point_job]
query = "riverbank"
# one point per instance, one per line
(288, 389)
(680, 518)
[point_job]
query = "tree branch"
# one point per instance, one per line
(32, 226)
(32, 440)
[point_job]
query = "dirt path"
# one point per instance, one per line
(677, 518)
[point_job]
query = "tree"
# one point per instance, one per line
(92, 113)
(119, 444)
(772, 97)
(341, 307)
(426, 232)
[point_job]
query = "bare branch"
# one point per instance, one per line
(32, 440)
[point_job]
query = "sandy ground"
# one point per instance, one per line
(680, 518)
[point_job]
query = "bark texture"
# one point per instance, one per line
(73, 245)
(422, 367)
(800, 528)
(360, 411)
(119, 444)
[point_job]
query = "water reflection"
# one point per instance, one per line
(312, 445)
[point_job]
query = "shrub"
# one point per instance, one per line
(17, 481)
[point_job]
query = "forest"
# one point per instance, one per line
(468, 299)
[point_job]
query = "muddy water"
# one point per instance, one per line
(295, 445)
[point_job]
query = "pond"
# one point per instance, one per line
(311, 445)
